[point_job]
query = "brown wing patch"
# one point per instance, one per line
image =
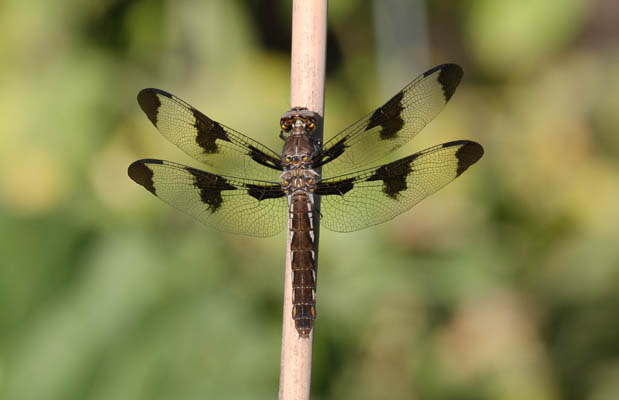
(143, 175)
(388, 117)
(394, 176)
(208, 132)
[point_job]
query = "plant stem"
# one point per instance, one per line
(307, 82)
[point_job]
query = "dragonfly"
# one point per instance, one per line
(252, 190)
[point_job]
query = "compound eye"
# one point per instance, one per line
(283, 127)
(311, 125)
(305, 158)
(310, 181)
(286, 182)
(287, 160)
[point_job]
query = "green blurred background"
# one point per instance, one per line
(504, 285)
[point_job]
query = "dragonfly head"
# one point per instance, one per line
(298, 121)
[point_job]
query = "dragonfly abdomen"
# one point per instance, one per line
(303, 262)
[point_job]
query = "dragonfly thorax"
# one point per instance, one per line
(298, 151)
(299, 179)
(298, 125)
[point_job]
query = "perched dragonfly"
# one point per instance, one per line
(255, 190)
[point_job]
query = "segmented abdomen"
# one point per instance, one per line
(303, 263)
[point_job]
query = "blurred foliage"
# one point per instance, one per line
(504, 285)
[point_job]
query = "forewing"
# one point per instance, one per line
(255, 208)
(395, 123)
(222, 148)
(356, 201)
